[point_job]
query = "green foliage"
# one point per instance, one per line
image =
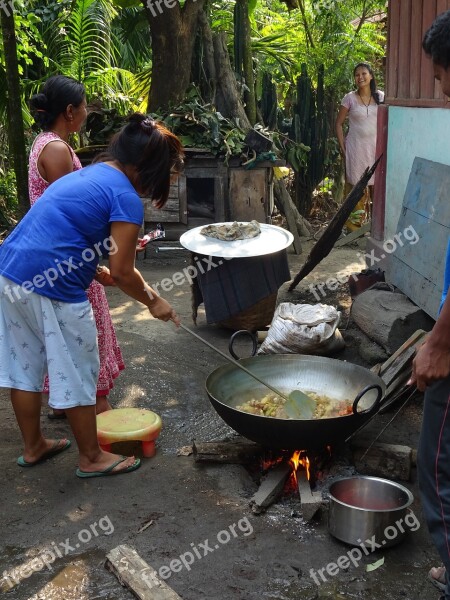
(131, 33)
(201, 126)
(8, 199)
(101, 124)
(48, 12)
(238, 36)
(356, 216)
(343, 32)
(222, 15)
(106, 43)
(197, 125)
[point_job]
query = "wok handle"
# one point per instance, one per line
(375, 406)
(240, 333)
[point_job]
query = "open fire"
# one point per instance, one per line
(304, 473)
(300, 459)
(289, 473)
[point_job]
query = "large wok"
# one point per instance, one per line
(228, 387)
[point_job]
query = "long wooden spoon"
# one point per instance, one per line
(298, 404)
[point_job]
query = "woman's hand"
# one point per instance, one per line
(140, 248)
(103, 276)
(342, 115)
(162, 310)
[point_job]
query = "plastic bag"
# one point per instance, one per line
(303, 329)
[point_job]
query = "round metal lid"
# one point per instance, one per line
(271, 239)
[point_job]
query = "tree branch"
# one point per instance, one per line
(16, 135)
(305, 23)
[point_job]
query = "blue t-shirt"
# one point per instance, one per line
(55, 249)
(446, 277)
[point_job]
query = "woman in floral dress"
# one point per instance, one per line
(60, 109)
(359, 146)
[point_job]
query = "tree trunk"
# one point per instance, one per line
(285, 205)
(303, 194)
(209, 67)
(16, 136)
(228, 101)
(250, 93)
(244, 56)
(173, 31)
(283, 199)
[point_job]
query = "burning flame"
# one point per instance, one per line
(299, 458)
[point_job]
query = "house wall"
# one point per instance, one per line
(412, 132)
(409, 73)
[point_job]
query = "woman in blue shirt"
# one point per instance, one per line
(46, 264)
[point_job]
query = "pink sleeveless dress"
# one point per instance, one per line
(111, 361)
(361, 140)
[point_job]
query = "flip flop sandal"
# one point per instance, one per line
(439, 583)
(53, 451)
(109, 470)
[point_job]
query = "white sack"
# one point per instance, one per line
(303, 329)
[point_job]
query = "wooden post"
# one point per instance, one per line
(137, 576)
(379, 190)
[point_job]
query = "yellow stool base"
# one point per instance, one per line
(129, 424)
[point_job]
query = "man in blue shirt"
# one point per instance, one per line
(431, 371)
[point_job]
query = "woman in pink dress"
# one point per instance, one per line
(60, 109)
(361, 107)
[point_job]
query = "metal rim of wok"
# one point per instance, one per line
(227, 386)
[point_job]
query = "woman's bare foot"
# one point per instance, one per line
(103, 462)
(102, 404)
(43, 449)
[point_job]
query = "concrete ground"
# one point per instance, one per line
(198, 513)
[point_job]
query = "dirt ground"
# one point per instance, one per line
(49, 515)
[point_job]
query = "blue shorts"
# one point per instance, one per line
(39, 336)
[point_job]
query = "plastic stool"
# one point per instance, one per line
(129, 424)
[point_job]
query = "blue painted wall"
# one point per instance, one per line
(412, 132)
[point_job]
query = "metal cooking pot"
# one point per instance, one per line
(368, 510)
(228, 387)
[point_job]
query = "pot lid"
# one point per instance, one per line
(271, 239)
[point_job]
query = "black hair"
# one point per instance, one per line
(373, 83)
(436, 41)
(57, 93)
(153, 150)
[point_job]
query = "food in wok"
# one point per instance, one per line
(272, 405)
